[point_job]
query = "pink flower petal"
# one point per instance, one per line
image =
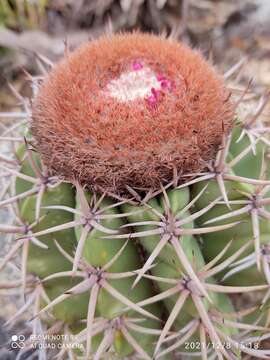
(152, 100)
(137, 65)
(161, 77)
(155, 93)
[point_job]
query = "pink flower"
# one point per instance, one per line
(166, 84)
(152, 100)
(137, 65)
(160, 77)
(155, 93)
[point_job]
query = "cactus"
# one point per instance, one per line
(140, 208)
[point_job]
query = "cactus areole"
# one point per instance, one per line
(130, 110)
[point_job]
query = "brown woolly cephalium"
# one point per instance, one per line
(130, 109)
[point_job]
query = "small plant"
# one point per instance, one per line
(22, 14)
(141, 206)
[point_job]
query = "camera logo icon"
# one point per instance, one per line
(17, 342)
